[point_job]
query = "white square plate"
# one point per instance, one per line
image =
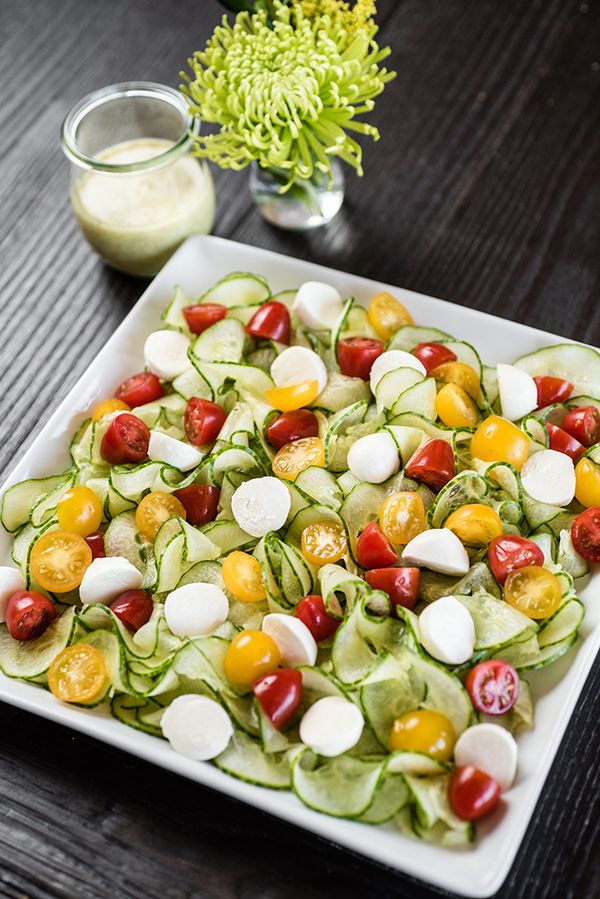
(478, 871)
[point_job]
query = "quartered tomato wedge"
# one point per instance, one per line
(203, 420)
(373, 549)
(134, 608)
(78, 674)
(200, 501)
(585, 534)
(400, 584)
(28, 614)
(472, 793)
(201, 316)
(356, 356)
(271, 321)
(432, 465)
(290, 426)
(564, 443)
(583, 423)
(552, 390)
(140, 389)
(279, 694)
(493, 687)
(58, 561)
(312, 612)
(509, 552)
(125, 440)
(433, 354)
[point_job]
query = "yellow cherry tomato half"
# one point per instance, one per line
(58, 561)
(475, 524)
(402, 516)
(386, 314)
(79, 511)
(78, 674)
(587, 483)
(154, 509)
(424, 731)
(250, 655)
(295, 396)
(108, 406)
(458, 373)
(294, 457)
(323, 542)
(455, 407)
(242, 576)
(499, 440)
(533, 590)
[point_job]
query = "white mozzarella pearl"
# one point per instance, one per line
(296, 364)
(261, 505)
(163, 448)
(197, 727)
(391, 360)
(107, 578)
(374, 458)
(447, 631)
(196, 610)
(331, 726)
(11, 581)
(518, 392)
(439, 550)
(165, 353)
(549, 477)
(294, 640)
(490, 748)
(318, 305)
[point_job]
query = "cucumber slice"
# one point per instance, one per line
(245, 759)
(228, 535)
(238, 289)
(360, 640)
(337, 582)
(393, 384)
(408, 336)
(444, 692)
(466, 487)
(320, 486)
(568, 558)
(122, 538)
(384, 700)
(191, 383)
(286, 575)
(434, 819)
(496, 623)
(418, 400)
(529, 656)
(479, 578)
(18, 501)
(172, 315)
(408, 440)
(32, 659)
(341, 392)
(343, 787)
(563, 625)
(222, 342)
(572, 361)
(177, 550)
(417, 763)
(348, 424)
(391, 796)
(313, 514)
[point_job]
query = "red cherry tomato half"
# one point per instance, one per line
(200, 501)
(271, 322)
(585, 534)
(356, 356)
(133, 608)
(583, 423)
(125, 440)
(433, 354)
(96, 544)
(140, 389)
(552, 390)
(290, 426)
(312, 612)
(493, 687)
(202, 421)
(509, 552)
(401, 584)
(201, 316)
(564, 443)
(472, 793)
(28, 614)
(432, 465)
(373, 549)
(279, 694)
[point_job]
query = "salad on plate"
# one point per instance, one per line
(319, 545)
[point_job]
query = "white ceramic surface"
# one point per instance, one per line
(478, 871)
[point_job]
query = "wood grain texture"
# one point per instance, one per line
(484, 189)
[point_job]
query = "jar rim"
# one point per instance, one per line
(145, 89)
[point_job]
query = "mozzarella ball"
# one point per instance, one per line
(107, 578)
(318, 305)
(439, 550)
(196, 610)
(11, 581)
(294, 641)
(447, 631)
(163, 448)
(518, 392)
(549, 477)
(374, 458)
(165, 353)
(261, 505)
(492, 749)
(197, 727)
(331, 726)
(297, 364)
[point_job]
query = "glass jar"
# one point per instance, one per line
(304, 205)
(137, 191)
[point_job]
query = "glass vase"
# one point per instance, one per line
(305, 205)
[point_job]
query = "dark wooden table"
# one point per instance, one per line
(484, 189)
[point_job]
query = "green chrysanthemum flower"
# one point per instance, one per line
(287, 94)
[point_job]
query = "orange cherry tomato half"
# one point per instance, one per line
(295, 457)
(242, 576)
(455, 407)
(250, 655)
(373, 549)
(78, 674)
(292, 397)
(424, 730)
(271, 321)
(203, 420)
(290, 426)
(200, 501)
(140, 389)
(534, 591)
(58, 561)
(356, 356)
(125, 440)
(552, 390)
(472, 793)
(585, 534)
(458, 373)
(324, 542)
(583, 423)
(493, 687)
(402, 517)
(499, 440)
(79, 510)
(400, 584)
(587, 483)
(154, 509)
(386, 314)
(511, 551)
(475, 524)
(433, 354)
(312, 612)
(279, 694)
(108, 406)
(28, 614)
(432, 465)
(200, 316)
